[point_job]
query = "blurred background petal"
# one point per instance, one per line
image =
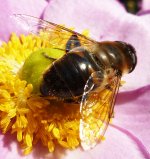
(9, 7)
(145, 5)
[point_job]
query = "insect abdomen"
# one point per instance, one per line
(67, 76)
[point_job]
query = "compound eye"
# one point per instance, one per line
(130, 55)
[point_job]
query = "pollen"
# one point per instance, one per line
(29, 116)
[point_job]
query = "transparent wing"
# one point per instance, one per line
(56, 35)
(97, 107)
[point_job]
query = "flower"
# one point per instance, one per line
(128, 136)
(25, 113)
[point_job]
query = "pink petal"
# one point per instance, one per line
(8, 8)
(9, 148)
(145, 15)
(84, 14)
(116, 145)
(133, 113)
(145, 4)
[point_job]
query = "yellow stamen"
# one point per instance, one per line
(56, 133)
(31, 117)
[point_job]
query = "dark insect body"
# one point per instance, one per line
(88, 73)
(67, 76)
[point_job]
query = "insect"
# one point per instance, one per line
(89, 73)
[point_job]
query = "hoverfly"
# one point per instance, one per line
(89, 72)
